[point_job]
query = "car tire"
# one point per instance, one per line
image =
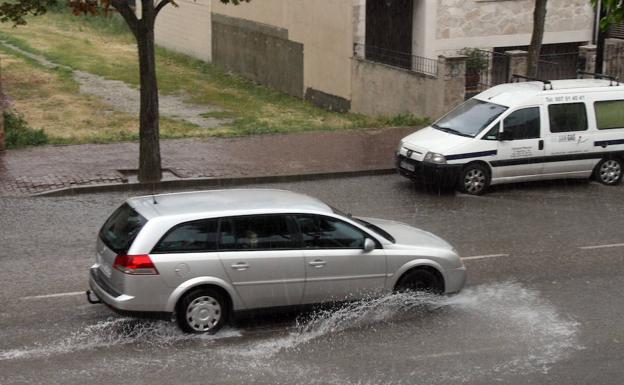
(474, 179)
(609, 171)
(420, 280)
(202, 311)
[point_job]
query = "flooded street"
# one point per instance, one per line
(539, 306)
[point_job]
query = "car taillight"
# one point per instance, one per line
(135, 264)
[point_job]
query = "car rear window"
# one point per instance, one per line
(121, 228)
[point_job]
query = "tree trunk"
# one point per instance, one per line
(539, 18)
(149, 152)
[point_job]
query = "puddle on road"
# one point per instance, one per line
(486, 331)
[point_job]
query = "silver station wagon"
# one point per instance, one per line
(200, 256)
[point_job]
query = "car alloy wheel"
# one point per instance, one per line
(610, 171)
(475, 180)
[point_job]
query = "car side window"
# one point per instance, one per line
(320, 232)
(257, 232)
(567, 117)
(189, 237)
(523, 124)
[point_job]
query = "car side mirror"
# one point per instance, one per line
(369, 245)
(504, 135)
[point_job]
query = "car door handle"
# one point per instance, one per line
(317, 263)
(240, 266)
(540, 145)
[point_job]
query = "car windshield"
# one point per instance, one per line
(121, 228)
(368, 225)
(376, 229)
(470, 118)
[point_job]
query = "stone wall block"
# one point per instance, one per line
(587, 57)
(518, 62)
(452, 79)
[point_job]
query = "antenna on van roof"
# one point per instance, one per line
(600, 76)
(515, 78)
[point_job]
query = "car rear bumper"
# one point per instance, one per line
(107, 294)
(440, 175)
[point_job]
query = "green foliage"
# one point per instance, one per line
(613, 11)
(19, 134)
(475, 60)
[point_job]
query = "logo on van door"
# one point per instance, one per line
(521, 152)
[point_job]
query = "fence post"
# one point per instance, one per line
(587, 57)
(518, 62)
(614, 57)
(452, 75)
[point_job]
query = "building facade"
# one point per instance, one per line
(316, 49)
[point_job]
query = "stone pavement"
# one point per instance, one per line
(42, 169)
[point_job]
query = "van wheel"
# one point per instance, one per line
(202, 311)
(609, 171)
(475, 179)
(420, 280)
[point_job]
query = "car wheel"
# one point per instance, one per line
(609, 171)
(202, 311)
(475, 179)
(422, 280)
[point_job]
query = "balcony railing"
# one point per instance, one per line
(398, 59)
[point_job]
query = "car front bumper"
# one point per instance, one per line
(440, 175)
(455, 280)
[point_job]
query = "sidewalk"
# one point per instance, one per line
(45, 169)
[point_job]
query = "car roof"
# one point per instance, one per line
(234, 202)
(517, 94)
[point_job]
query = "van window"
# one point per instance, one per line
(609, 114)
(523, 124)
(121, 229)
(189, 237)
(261, 232)
(567, 117)
(493, 133)
(470, 118)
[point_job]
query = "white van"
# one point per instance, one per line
(522, 132)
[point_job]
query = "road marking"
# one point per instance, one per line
(69, 294)
(485, 256)
(601, 246)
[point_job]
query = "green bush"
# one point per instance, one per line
(19, 134)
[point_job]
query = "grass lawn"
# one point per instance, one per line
(49, 99)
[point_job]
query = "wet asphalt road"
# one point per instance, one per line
(543, 303)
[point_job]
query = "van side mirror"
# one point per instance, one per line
(369, 245)
(504, 135)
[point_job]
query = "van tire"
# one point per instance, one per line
(202, 310)
(474, 179)
(609, 171)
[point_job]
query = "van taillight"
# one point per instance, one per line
(135, 264)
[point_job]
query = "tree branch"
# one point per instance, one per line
(127, 13)
(161, 5)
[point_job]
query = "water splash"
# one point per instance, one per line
(516, 332)
(114, 332)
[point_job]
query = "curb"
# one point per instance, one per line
(207, 182)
